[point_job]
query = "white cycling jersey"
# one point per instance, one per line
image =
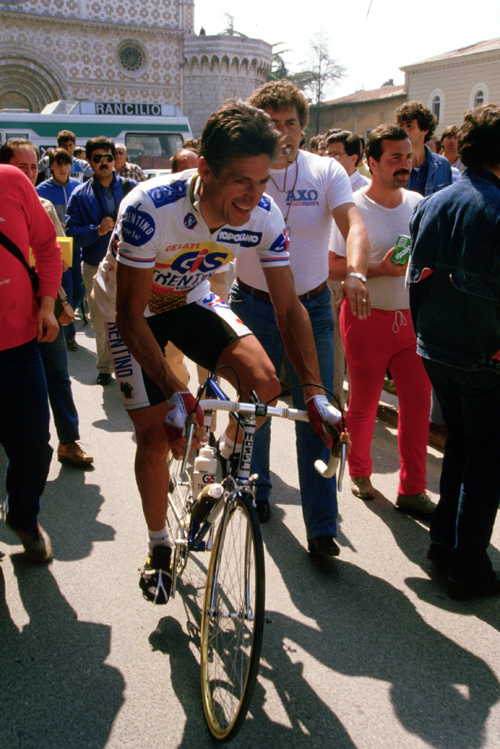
(160, 226)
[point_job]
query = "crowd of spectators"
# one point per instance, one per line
(404, 182)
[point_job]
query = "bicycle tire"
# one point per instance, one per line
(178, 516)
(231, 641)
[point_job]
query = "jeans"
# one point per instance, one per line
(470, 478)
(55, 365)
(319, 495)
(24, 432)
(73, 286)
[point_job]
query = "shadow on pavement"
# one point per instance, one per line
(57, 690)
(411, 534)
(368, 628)
(69, 510)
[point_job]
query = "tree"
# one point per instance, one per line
(321, 74)
(229, 29)
(279, 67)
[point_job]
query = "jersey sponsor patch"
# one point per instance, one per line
(265, 203)
(280, 243)
(190, 221)
(165, 194)
(137, 227)
(190, 265)
(302, 197)
(243, 238)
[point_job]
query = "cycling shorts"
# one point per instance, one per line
(201, 330)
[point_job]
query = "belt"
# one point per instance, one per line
(264, 296)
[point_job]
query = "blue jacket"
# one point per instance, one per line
(86, 209)
(58, 194)
(439, 173)
(454, 273)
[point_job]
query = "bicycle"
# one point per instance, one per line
(223, 519)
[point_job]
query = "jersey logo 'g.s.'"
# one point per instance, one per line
(190, 265)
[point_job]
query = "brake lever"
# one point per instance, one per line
(338, 456)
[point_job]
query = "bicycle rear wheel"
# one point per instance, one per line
(233, 620)
(178, 516)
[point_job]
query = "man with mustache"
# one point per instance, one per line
(385, 340)
(90, 219)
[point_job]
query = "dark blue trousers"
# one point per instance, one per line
(24, 432)
(470, 478)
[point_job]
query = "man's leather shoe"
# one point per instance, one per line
(73, 453)
(440, 555)
(263, 509)
(323, 546)
(103, 378)
(462, 592)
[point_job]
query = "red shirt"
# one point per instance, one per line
(25, 222)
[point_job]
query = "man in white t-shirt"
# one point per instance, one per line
(386, 340)
(308, 190)
(347, 149)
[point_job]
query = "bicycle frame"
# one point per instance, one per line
(246, 415)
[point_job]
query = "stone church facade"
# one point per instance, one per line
(125, 51)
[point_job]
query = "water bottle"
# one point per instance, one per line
(205, 469)
(208, 505)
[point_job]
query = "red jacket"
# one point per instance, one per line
(25, 222)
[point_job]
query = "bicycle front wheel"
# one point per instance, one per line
(233, 620)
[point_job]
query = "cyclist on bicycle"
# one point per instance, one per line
(171, 234)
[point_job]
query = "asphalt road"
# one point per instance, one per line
(364, 651)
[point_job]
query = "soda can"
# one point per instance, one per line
(401, 252)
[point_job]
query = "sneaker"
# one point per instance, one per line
(72, 453)
(154, 578)
(263, 509)
(416, 502)
(361, 487)
(71, 345)
(36, 543)
(323, 546)
(103, 378)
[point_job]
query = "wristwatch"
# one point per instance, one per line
(357, 275)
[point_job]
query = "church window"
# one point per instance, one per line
(131, 58)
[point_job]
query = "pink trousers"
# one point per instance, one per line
(386, 340)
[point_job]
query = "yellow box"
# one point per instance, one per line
(66, 245)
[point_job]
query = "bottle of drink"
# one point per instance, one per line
(205, 506)
(205, 469)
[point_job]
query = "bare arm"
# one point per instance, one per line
(47, 327)
(133, 288)
(338, 267)
(350, 224)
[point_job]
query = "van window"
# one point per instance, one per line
(152, 150)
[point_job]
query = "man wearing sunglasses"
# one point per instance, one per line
(90, 219)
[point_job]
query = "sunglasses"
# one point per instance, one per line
(120, 153)
(106, 156)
